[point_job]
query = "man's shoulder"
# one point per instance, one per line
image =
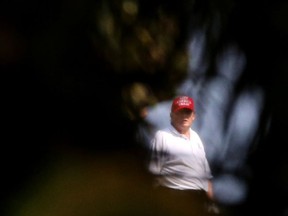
(163, 132)
(194, 133)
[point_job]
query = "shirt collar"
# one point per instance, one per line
(174, 131)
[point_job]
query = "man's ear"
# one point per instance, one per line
(193, 115)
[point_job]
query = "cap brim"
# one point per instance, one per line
(183, 107)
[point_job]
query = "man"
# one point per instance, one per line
(178, 160)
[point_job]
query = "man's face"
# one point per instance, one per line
(182, 119)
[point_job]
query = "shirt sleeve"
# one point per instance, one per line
(156, 154)
(206, 165)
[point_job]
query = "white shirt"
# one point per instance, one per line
(179, 162)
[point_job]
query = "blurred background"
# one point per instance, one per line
(85, 84)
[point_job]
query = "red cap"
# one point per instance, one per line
(182, 102)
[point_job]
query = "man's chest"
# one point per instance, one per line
(181, 146)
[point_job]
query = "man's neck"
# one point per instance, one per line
(183, 131)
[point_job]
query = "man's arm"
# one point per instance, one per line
(210, 190)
